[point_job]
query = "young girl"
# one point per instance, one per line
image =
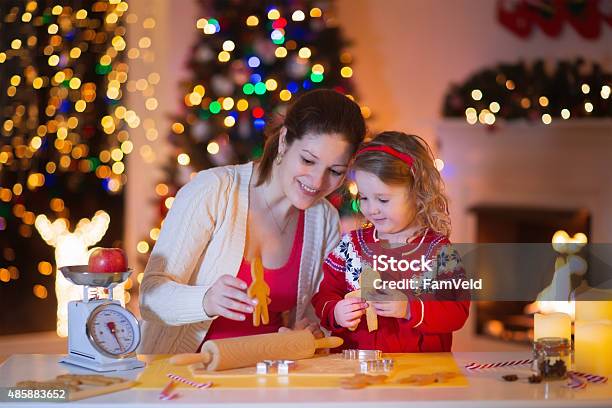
(401, 195)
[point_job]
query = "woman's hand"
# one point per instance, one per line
(348, 312)
(227, 297)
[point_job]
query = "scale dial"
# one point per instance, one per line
(113, 330)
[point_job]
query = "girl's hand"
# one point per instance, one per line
(396, 305)
(348, 312)
(394, 308)
(226, 297)
(305, 323)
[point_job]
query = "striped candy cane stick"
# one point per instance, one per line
(574, 382)
(184, 380)
(592, 378)
(480, 366)
(168, 392)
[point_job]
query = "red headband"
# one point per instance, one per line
(389, 150)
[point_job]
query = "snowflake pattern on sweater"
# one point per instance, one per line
(346, 253)
(352, 254)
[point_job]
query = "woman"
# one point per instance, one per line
(194, 286)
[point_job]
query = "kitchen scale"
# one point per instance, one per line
(102, 335)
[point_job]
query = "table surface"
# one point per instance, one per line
(486, 389)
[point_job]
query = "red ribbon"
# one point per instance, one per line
(389, 150)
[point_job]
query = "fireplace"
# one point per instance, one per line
(495, 224)
(521, 182)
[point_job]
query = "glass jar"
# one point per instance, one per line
(552, 357)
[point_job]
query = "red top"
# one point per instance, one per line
(283, 284)
(431, 322)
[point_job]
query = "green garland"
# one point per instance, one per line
(536, 92)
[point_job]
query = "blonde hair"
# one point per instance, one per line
(422, 178)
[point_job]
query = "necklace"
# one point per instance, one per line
(281, 230)
(376, 239)
(419, 245)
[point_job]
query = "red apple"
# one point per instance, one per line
(106, 260)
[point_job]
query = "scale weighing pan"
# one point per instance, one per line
(80, 275)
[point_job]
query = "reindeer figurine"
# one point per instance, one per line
(556, 297)
(71, 248)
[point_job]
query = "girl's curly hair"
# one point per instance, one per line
(422, 178)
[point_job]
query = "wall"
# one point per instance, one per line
(407, 53)
(171, 40)
(562, 166)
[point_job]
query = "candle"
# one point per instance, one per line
(552, 325)
(590, 310)
(592, 347)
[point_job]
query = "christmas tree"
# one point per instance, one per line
(63, 144)
(251, 60)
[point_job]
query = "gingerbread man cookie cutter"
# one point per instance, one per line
(259, 290)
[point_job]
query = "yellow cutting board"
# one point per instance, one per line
(317, 372)
(325, 365)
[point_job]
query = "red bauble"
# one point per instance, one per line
(106, 260)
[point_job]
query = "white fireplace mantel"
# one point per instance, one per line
(564, 165)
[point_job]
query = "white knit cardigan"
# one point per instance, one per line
(203, 238)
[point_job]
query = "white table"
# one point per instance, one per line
(486, 389)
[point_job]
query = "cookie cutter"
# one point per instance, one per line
(361, 355)
(282, 366)
(376, 366)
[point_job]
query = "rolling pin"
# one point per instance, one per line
(238, 352)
